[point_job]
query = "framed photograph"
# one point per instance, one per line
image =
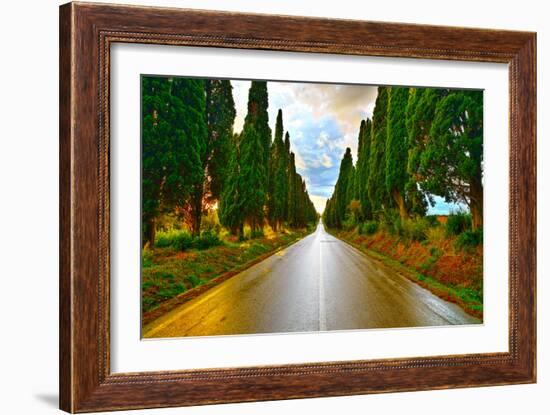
(258, 207)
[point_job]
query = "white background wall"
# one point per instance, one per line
(29, 205)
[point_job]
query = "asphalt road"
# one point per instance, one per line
(319, 283)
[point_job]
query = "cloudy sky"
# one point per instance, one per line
(322, 120)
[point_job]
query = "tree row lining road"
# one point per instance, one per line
(319, 283)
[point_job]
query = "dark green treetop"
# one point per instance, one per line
(376, 182)
(451, 163)
(397, 148)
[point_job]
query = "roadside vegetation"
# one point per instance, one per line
(420, 143)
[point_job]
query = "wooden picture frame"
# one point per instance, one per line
(86, 33)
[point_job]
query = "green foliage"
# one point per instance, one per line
(397, 147)
(194, 281)
(457, 223)
(370, 227)
(252, 176)
(301, 210)
(258, 117)
(173, 144)
(446, 133)
(418, 118)
(231, 212)
(146, 258)
(416, 230)
(207, 239)
(278, 181)
(362, 168)
(220, 115)
(178, 239)
(256, 234)
(376, 183)
(432, 221)
(171, 291)
(411, 229)
(182, 240)
(335, 211)
(435, 252)
(211, 222)
(469, 239)
(390, 221)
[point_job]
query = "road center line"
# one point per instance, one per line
(322, 311)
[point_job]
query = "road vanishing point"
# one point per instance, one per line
(319, 283)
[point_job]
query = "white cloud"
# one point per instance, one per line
(323, 139)
(370, 109)
(240, 96)
(299, 161)
(326, 161)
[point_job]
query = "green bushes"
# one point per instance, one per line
(469, 239)
(432, 221)
(258, 233)
(349, 223)
(207, 239)
(389, 220)
(417, 230)
(368, 228)
(457, 223)
(166, 239)
(183, 241)
(412, 229)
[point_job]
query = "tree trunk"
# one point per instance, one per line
(400, 202)
(150, 232)
(476, 204)
(196, 210)
(477, 216)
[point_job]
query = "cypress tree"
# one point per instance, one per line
(220, 115)
(376, 181)
(419, 116)
(156, 133)
(173, 144)
(278, 182)
(231, 212)
(351, 184)
(357, 182)
(192, 95)
(451, 163)
(287, 174)
(257, 115)
(363, 167)
(292, 195)
(397, 148)
(252, 177)
(342, 188)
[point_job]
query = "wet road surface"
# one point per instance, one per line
(319, 283)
